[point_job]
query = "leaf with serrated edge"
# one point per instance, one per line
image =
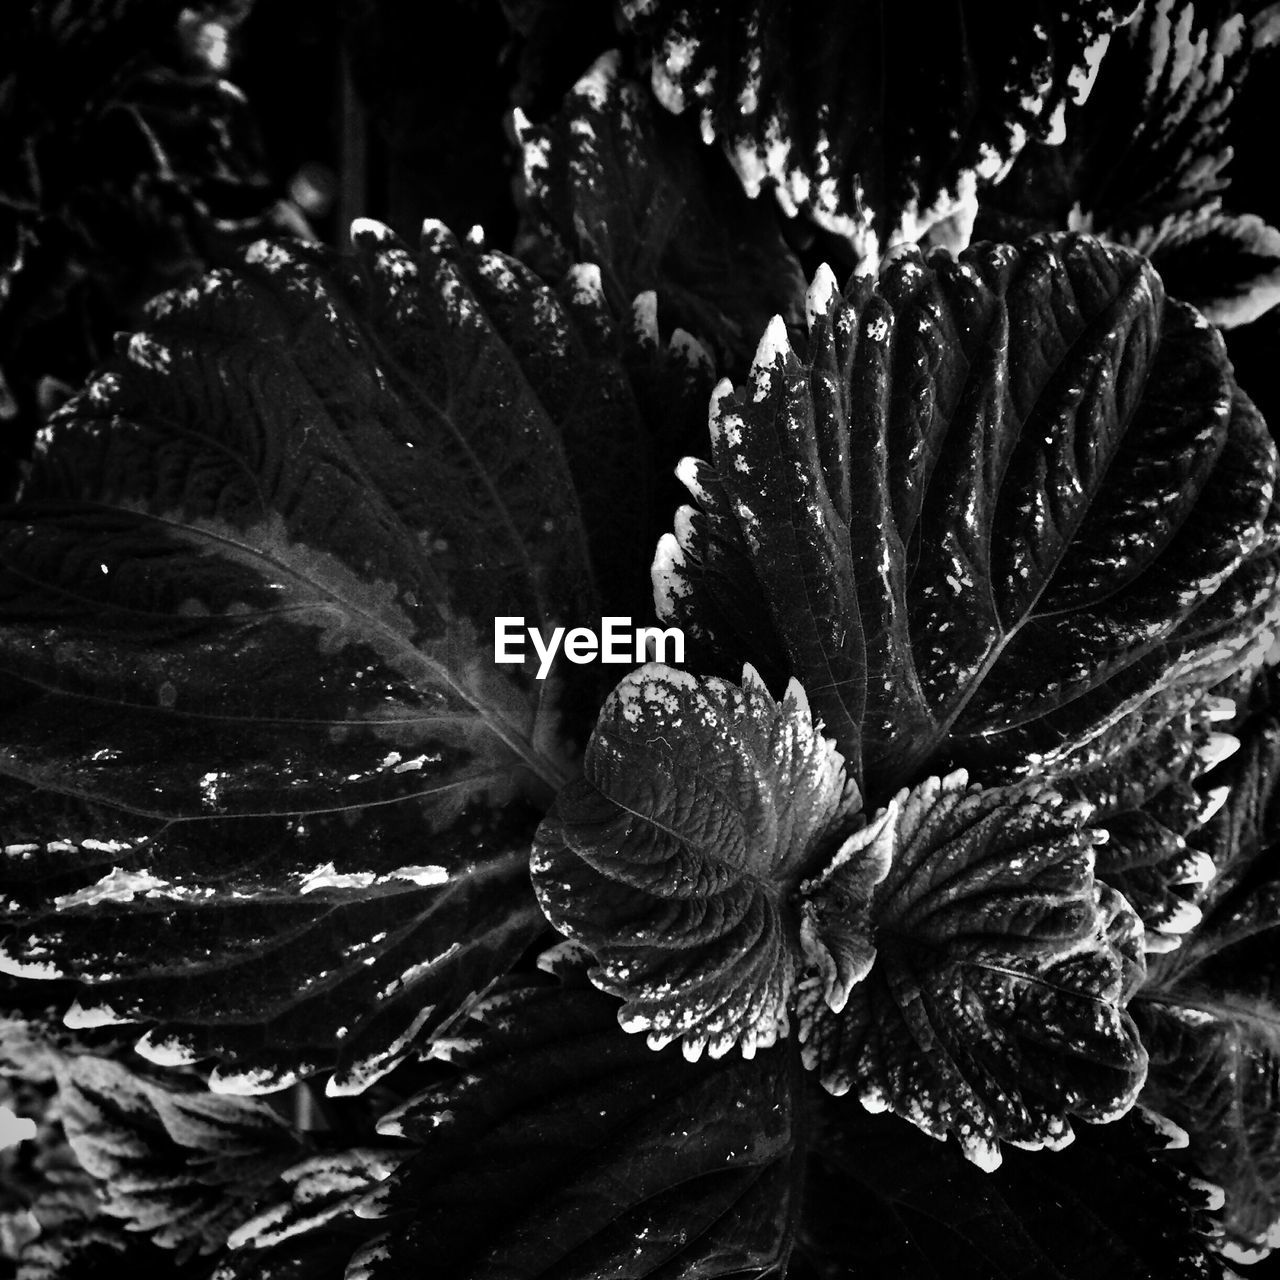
(607, 1158)
(995, 1009)
(990, 509)
(823, 103)
(676, 859)
(276, 787)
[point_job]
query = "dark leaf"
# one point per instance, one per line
(676, 857)
(226, 589)
(559, 1146)
(612, 180)
(885, 1203)
(247, 601)
(1210, 1013)
(873, 120)
(1150, 139)
(995, 1008)
(1215, 1070)
(996, 509)
(1145, 160)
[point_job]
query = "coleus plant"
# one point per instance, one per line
(922, 922)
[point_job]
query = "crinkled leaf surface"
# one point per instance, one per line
(873, 121)
(174, 1161)
(995, 1008)
(253, 577)
(886, 1203)
(994, 508)
(558, 1146)
(675, 858)
(1210, 1012)
(612, 179)
(256, 568)
(1145, 160)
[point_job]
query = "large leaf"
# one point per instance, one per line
(612, 179)
(1145, 160)
(247, 600)
(1210, 1012)
(888, 1204)
(874, 122)
(992, 511)
(256, 567)
(995, 1008)
(676, 858)
(558, 1146)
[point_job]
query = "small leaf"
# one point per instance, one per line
(990, 512)
(873, 122)
(1227, 265)
(995, 1009)
(557, 1145)
(1145, 160)
(672, 860)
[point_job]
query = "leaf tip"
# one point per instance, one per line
(371, 231)
(1216, 748)
(822, 292)
(667, 574)
(774, 345)
(585, 284)
(1176, 1138)
(1215, 1196)
(593, 86)
(644, 317)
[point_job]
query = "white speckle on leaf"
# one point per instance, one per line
(327, 877)
(371, 229)
(118, 885)
(80, 1017)
(429, 874)
(165, 1051)
(586, 286)
(821, 294)
(149, 354)
(594, 86)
